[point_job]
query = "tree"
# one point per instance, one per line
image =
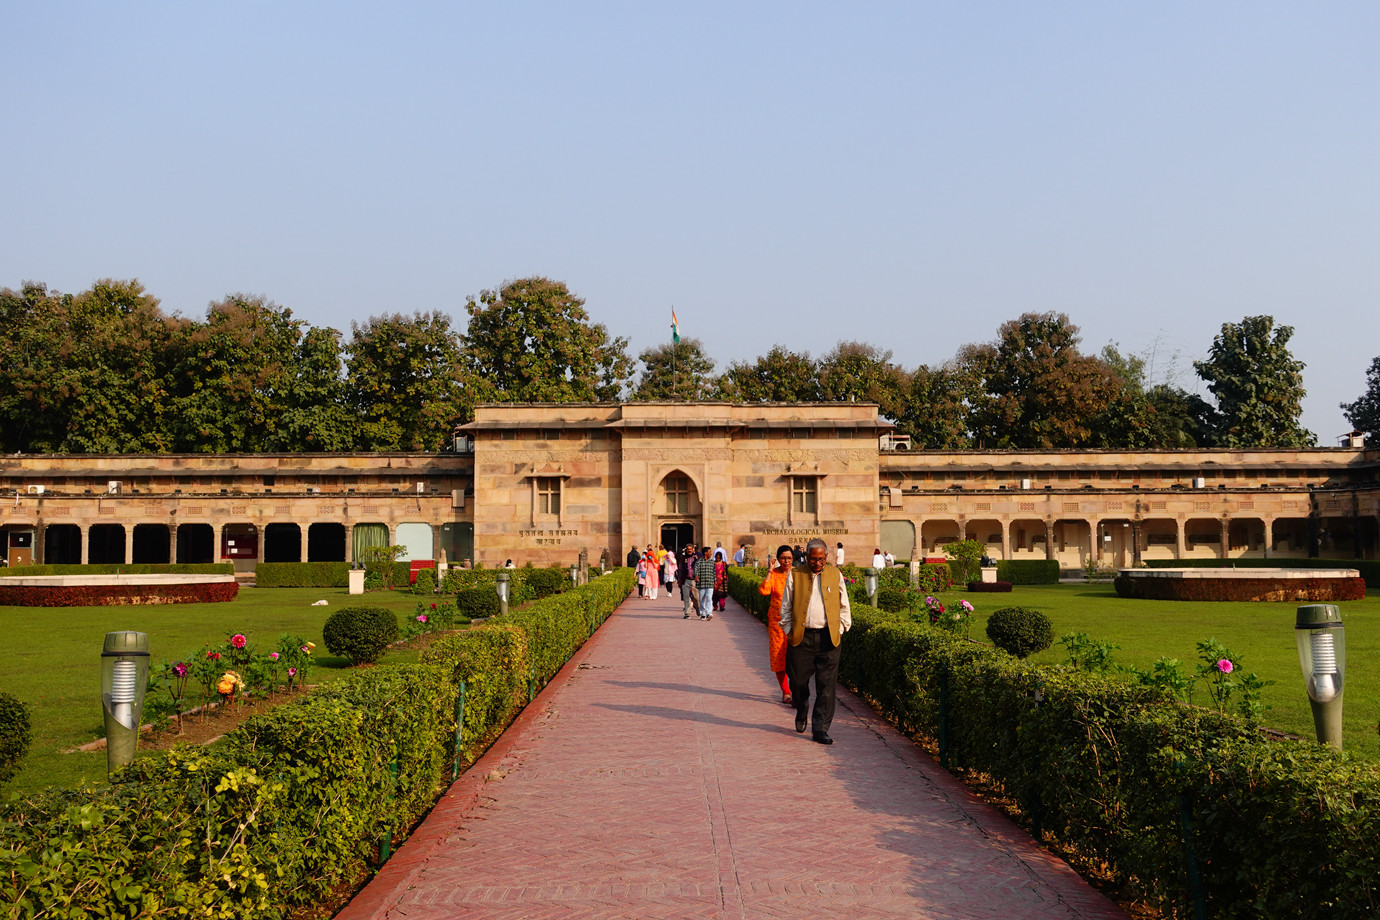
(236, 371)
(317, 414)
(1364, 413)
(403, 380)
(1038, 391)
(858, 371)
(780, 375)
(679, 370)
(1258, 385)
(935, 413)
(532, 341)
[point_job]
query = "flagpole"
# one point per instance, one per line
(675, 337)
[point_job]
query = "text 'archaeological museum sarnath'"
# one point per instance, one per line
(538, 483)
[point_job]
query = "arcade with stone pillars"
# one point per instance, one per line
(1119, 508)
(539, 483)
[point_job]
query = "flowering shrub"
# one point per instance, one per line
(114, 596)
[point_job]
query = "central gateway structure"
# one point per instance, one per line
(550, 479)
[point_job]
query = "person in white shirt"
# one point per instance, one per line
(878, 560)
(838, 555)
(815, 614)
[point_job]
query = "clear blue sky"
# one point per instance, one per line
(909, 174)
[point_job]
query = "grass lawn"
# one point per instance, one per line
(1261, 634)
(51, 660)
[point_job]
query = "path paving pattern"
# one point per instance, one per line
(659, 776)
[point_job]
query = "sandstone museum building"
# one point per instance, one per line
(538, 483)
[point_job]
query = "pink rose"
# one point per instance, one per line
(273, 655)
(1224, 666)
(292, 672)
(421, 618)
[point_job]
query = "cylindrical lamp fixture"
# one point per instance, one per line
(502, 585)
(124, 678)
(1322, 656)
(870, 583)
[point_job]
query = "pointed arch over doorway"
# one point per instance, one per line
(677, 510)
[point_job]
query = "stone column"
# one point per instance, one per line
(1269, 536)
(260, 534)
(350, 543)
(1049, 538)
(1135, 544)
(1006, 539)
(129, 543)
(1224, 538)
(172, 543)
(962, 529)
(40, 530)
(436, 544)
(1179, 537)
(85, 543)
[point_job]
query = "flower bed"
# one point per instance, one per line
(114, 591)
(1253, 584)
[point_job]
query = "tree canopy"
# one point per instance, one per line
(1258, 385)
(677, 370)
(1364, 413)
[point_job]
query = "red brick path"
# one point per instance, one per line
(659, 776)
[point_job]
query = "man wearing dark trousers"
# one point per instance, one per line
(634, 557)
(815, 614)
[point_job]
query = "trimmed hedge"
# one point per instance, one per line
(142, 568)
(1314, 590)
(360, 633)
(477, 602)
(989, 587)
(295, 803)
(114, 595)
(302, 575)
(1102, 766)
(1369, 568)
(15, 735)
(1020, 631)
(1028, 571)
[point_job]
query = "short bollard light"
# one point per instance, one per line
(503, 579)
(575, 574)
(1322, 655)
(870, 584)
(124, 677)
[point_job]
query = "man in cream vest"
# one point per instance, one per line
(814, 616)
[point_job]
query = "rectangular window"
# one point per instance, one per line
(677, 495)
(549, 495)
(804, 495)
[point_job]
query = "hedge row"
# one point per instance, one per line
(1111, 770)
(114, 595)
(1369, 568)
(296, 802)
(302, 575)
(184, 568)
(1028, 571)
(1312, 590)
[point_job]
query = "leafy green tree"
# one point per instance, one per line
(1364, 413)
(780, 375)
(236, 372)
(317, 415)
(532, 341)
(862, 372)
(1162, 416)
(935, 413)
(403, 380)
(1039, 391)
(1258, 385)
(678, 370)
(87, 372)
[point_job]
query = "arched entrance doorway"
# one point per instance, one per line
(676, 510)
(676, 536)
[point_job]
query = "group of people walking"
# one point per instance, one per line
(807, 616)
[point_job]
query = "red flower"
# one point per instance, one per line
(238, 641)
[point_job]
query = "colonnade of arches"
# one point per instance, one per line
(191, 543)
(1121, 542)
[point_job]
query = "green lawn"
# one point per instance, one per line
(50, 658)
(1260, 634)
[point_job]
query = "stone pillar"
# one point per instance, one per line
(1049, 538)
(40, 551)
(260, 534)
(1181, 550)
(1224, 538)
(129, 543)
(1269, 536)
(350, 543)
(962, 529)
(1006, 539)
(436, 543)
(172, 543)
(1135, 544)
(85, 543)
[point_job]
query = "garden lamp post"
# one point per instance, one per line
(870, 583)
(124, 678)
(1322, 655)
(502, 584)
(574, 574)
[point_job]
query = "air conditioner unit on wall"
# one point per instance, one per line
(37, 490)
(113, 486)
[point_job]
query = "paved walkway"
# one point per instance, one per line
(659, 776)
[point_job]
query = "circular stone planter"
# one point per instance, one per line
(1225, 584)
(114, 590)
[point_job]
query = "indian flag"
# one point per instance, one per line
(675, 327)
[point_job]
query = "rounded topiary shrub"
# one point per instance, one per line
(892, 600)
(1022, 631)
(15, 735)
(546, 582)
(360, 633)
(476, 602)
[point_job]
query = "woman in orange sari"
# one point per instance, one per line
(773, 585)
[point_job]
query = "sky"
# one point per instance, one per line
(910, 175)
